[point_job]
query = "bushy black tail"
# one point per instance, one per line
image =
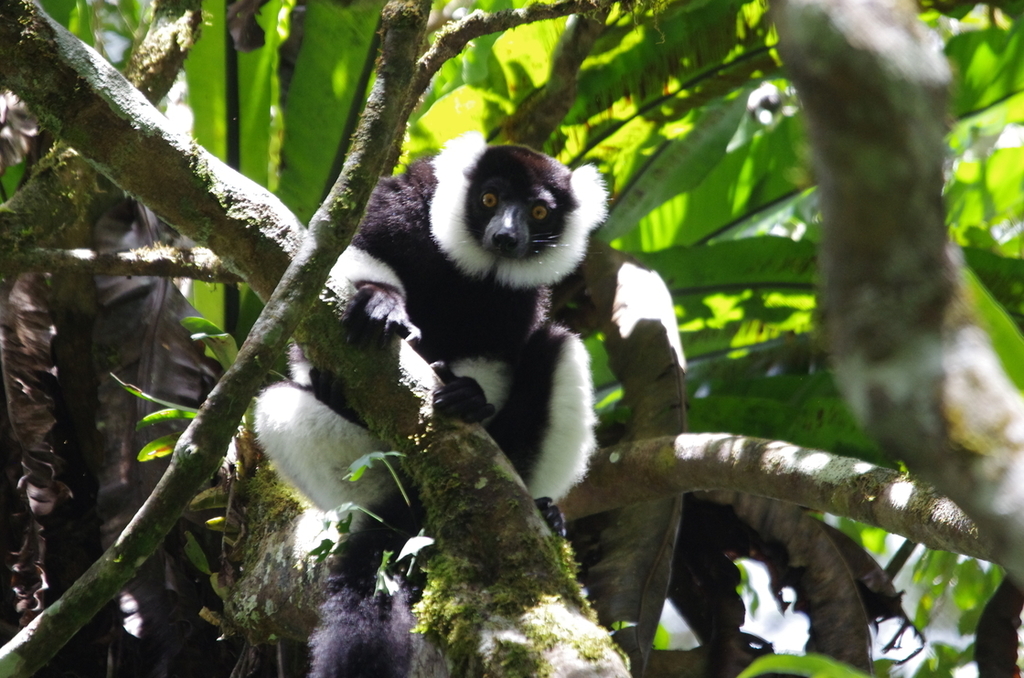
(363, 636)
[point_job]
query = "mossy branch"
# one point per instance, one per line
(663, 467)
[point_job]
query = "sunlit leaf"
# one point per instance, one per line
(258, 96)
(1006, 336)
(324, 91)
(988, 66)
(164, 415)
(206, 75)
(161, 447)
(812, 665)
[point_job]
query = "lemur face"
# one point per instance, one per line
(512, 213)
(517, 202)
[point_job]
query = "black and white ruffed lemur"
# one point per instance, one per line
(457, 255)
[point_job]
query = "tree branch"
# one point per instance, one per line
(63, 188)
(910, 360)
(84, 101)
(662, 467)
(197, 263)
(539, 116)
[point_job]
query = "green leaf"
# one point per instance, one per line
(814, 665)
(359, 466)
(164, 415)
(206, 75)
(463, 110)
(677, 166)
(819, 423)
(161, 447)
(215, 497)
(1006, 337)
(386, 583)
(754, 262)
(745, 181)
(414, 546)
(59, 10)
(220, 343)
(138, 393)
(986, 191)
(258, 97)
(325, 88)
(988, 65)
(662, 638)
(194, 553)
(986, 126)
(525, 56)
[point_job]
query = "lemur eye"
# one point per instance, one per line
(539, 212)
(489, 200)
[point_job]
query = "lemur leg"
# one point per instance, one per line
(311, 435)
(546, 427)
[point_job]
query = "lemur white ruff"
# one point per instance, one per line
(457, 255)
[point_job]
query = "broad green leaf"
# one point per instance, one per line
(984, 192)
(194, 553)
(59, 10)
(525, 56)
(208, 300)
(10, 180)
(812, 665)
(206, 75)
(258, 94)
(792, 216)
(761, 262)
(414, 546)
(336, 48)
(735, 322)
(678, 165)
(984, 128)
(988, 65)
(80, 22)
(200, 325)
(662, 56)
(1003, 277)
(746, 180)
(818, 423)
(221, 344)
(464, 110)
(1005, 335)
(599, 369)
